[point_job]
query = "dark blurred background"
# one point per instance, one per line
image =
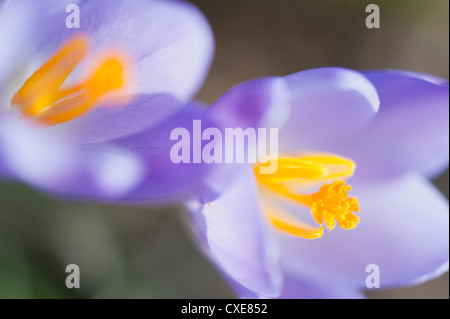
(128, 252)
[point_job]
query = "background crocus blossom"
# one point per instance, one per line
(108, 153)
(394, 125)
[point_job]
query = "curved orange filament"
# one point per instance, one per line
(43, 98)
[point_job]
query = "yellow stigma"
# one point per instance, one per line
(43, 98)
(330, 205)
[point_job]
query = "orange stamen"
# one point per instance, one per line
(43, 98)
(330, 205)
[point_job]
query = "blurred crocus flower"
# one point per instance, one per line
(393, 126)
(85, 112)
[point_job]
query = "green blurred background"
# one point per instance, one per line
(126, 252)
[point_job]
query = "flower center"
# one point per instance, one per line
(43, 98)
(330, 205)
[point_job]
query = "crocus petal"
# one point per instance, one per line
(327, 105)
(258, 103)
(11, 20)
(170, 41)
(301, 288)
(106, 123)
(164, 179)
(403, 229)
(233, 232)
(47, 162)
(411, 130)
(15, 20)
(241, 291)
(3, 167)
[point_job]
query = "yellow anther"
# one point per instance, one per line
(330, 205)
(42, 97)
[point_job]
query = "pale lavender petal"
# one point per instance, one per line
(411, 131)
(403, 229)
(133, 168)
(328, 105)
(46, 161)
(234, 234)
(14, 21)
(17, 18)
(170, 41)
(241, 291)
(107, 123)
(3, 167)
(258, 103)
(305, 288)
(163, 179)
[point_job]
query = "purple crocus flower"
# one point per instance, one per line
(393, 125)
(60, 127)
